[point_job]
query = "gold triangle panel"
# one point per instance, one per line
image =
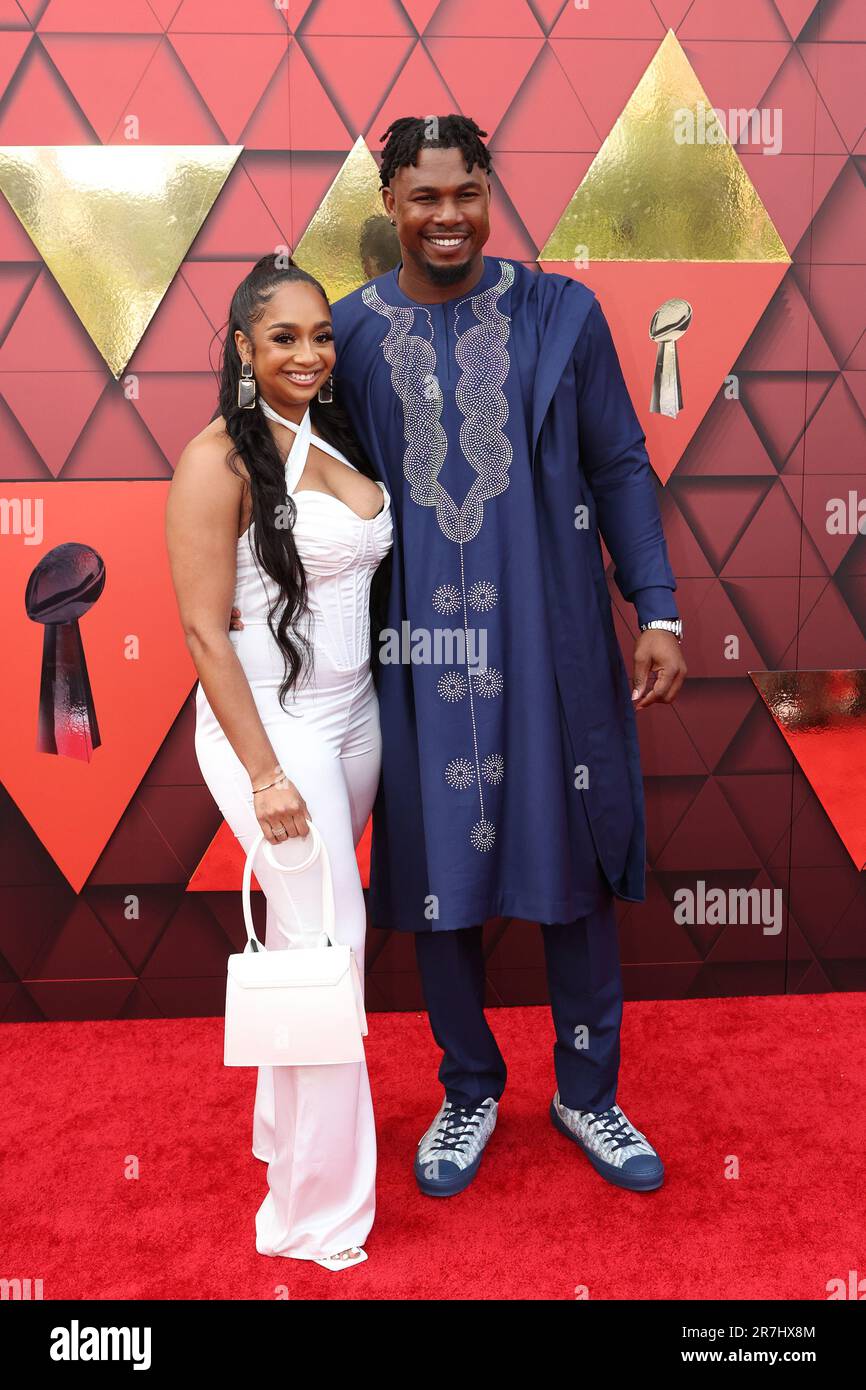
(647, 196)
(113, 224)
(350, 239)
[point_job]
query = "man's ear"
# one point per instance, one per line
(388, 201)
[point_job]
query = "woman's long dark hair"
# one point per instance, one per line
(252, 440)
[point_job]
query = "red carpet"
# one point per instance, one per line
(778, 1082)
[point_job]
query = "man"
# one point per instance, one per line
(490, 400)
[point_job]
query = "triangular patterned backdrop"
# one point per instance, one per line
(744, 502)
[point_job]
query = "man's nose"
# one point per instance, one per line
(449, 213)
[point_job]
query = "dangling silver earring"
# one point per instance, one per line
(326, 391)
(246, 387)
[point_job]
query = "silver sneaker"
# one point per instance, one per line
(616, 1150)
(450, 1152)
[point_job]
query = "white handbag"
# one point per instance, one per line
(295, 1007)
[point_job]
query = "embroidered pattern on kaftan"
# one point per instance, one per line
(481, 352)
(483, 357)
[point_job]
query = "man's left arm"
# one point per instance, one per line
(615, 462)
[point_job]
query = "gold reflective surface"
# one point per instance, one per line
(349, 240)
(647, 197)
(113, 224)
(822, 716)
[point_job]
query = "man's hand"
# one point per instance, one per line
(235, 625)
(657, 654)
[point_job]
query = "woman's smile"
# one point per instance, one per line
(304, 378)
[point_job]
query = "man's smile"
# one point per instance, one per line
(451, 241)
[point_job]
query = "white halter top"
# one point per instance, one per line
(296, 460)
(339, 550)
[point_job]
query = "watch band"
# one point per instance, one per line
(674, 625)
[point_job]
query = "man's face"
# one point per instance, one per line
(442, 212)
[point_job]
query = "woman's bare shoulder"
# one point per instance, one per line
(210, 448)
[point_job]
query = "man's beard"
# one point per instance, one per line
(446, 274)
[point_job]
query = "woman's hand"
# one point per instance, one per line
(281, 812)
(235, 623)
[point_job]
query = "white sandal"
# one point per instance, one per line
(332, 1262)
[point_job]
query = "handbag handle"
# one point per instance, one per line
(318, 849)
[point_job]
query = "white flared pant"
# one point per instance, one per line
(313, 1125)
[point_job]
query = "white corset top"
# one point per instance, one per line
(340, 552)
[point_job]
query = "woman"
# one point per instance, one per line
(273, 508)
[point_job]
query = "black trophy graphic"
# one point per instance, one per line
(65, 583)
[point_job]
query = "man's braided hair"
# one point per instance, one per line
(405, 137)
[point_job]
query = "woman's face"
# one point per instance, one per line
(292, 351)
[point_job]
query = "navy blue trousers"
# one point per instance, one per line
(585, 987)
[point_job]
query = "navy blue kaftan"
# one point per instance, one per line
(501, 424)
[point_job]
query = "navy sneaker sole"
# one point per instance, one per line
(613, 1175)
(447, 1187)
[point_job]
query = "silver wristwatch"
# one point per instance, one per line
(674, 625)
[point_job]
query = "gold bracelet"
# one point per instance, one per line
(282, 778)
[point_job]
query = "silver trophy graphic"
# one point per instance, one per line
(668, 323)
